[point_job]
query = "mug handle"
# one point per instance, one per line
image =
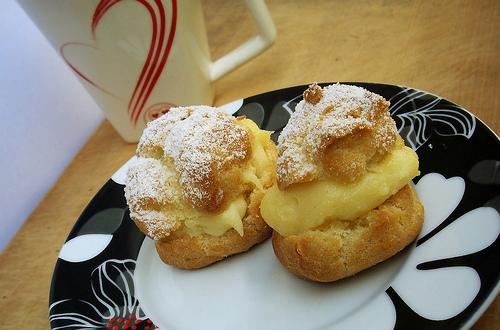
(255, 45)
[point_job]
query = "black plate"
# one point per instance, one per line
(92, 285)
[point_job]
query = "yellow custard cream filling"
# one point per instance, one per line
(308, 205)
(254, 173)
(218, 224)
(258, 165)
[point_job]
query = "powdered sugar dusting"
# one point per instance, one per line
(342, 110)
(148, 178)
(156, 131)
(180, 156)
(201, 146)
(149, 187)
(158, 224)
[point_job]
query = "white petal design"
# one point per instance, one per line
(449, 119)
(472, 232)
(406, 95)
(232, 107)
(74, 319)
(120, 175)
(454, 121)
(112, 283)
(440, 196)
(289, 105)
(84, 247)
(428, 292)
(114, 278)
(437, 294)
(378, 314)
(414, 129)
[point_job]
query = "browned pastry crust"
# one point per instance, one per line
(342, 249)
(184, 251)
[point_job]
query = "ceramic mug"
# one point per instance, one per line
(137, 58)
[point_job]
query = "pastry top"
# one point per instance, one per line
(199, 142)
(333, 133)
(195, 169)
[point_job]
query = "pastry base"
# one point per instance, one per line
(341, 249)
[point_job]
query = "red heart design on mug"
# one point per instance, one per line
(155, 61)
(84, 76)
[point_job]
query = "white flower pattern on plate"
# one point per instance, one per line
(450, 120)
(427, 292)
(117, 308)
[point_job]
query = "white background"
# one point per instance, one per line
(45, 118)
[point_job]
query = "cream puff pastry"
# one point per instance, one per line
(197, 185)
(342, 201)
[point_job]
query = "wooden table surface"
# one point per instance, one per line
(450, 48)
